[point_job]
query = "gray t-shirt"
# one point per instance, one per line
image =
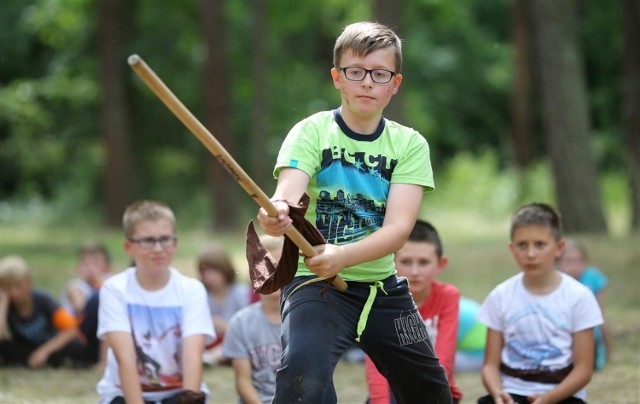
(252, 336)
(237, 298)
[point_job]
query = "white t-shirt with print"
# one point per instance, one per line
(159, 321)
(538, 329)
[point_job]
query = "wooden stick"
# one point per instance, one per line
(211, 143)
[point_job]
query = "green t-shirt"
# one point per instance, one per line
(350, 176)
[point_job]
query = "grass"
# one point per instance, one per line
(478, 260)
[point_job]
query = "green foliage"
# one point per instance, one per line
(456, 91)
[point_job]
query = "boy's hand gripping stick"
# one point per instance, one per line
(186, 117)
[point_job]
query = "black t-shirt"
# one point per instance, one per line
(39, 327)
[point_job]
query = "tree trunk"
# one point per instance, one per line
(565, 114)
(388, 12)
(521, 112)
(631, 103)
(261, 161)
(224, 190)
(115, 120)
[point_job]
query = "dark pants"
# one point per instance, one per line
(89, 327)
(16, 353)
(317, 330)
(171, 400)
(524, 400)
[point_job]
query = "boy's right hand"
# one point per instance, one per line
(503, 398)
(4, 301)
(275, 226)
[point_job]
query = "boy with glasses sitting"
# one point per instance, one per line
(154, 319)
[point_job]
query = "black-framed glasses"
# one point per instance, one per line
(380, 76)
(149, 243)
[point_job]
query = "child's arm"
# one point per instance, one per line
(67, 326)
(491, 368)
(448, 334)
(192, 349)
(604, 327)
(76, 297)
(39, 357)
(4, 314)
(403, 205)
(244, 385)
(583, 357)
(379, 390)
(121, 344)
(292, 183)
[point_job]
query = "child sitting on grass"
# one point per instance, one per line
(573, 261)
(155, 319)
(35, 331)
(540, 344)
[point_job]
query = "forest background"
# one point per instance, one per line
(539, 98)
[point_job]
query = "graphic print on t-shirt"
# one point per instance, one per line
(343, 213)
(157, 337)
(535, 324)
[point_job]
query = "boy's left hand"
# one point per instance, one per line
(330, 260)
(38, 358)
(538, 399)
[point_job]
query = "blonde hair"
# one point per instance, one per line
(574, 244)
(363, 38)
(13, 268)
(143, 211)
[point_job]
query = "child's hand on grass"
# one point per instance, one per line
(38, 358)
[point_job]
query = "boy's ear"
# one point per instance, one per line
(335, 76)
(443, 263)
(561, 245)
(397, 80)
(128, 247)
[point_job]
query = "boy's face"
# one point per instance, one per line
(92, 266)
(419, 263)
(535, 249)
(157, 259)
(213, 279)
(572, 262)
(366, 98)
(18, 290)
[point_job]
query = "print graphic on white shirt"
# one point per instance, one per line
(533, 346)
(158, 345)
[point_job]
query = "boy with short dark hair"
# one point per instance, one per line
(421, 260)
(365, 176)
(94, 266)
(155, 319)
(35, 330)
(540, 344)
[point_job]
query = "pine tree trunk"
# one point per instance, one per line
(631, 103)
(565, 114)
(521, 112)
(261, 161)
(224, 190)
(115, 120)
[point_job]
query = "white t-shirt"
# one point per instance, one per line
(79, 283)
(159, 321)
(538, 329)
